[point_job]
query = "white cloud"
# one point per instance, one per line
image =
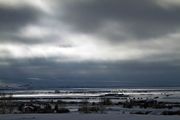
(88, 48)
(35, 31)
(93, 52)
(44, 5)
(168, 3)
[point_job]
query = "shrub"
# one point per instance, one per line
(89, 109)
(170, 113)
(62, 110)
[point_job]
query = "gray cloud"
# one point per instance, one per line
(91, 74)
(14, 18)
(142, 19)
(90, 42)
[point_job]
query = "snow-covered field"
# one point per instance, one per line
(111, 116)
(167, 95)
(125, 104)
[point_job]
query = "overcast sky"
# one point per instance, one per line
(82, 43)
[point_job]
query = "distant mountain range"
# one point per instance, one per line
(5, 86)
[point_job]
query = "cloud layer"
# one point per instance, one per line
(55, 33)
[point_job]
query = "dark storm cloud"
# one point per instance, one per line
(141, 18)
(13, 18)
(90, 74)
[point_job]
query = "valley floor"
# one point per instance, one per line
(77, 116)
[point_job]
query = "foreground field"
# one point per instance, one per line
(74, 116)
(95, 102)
